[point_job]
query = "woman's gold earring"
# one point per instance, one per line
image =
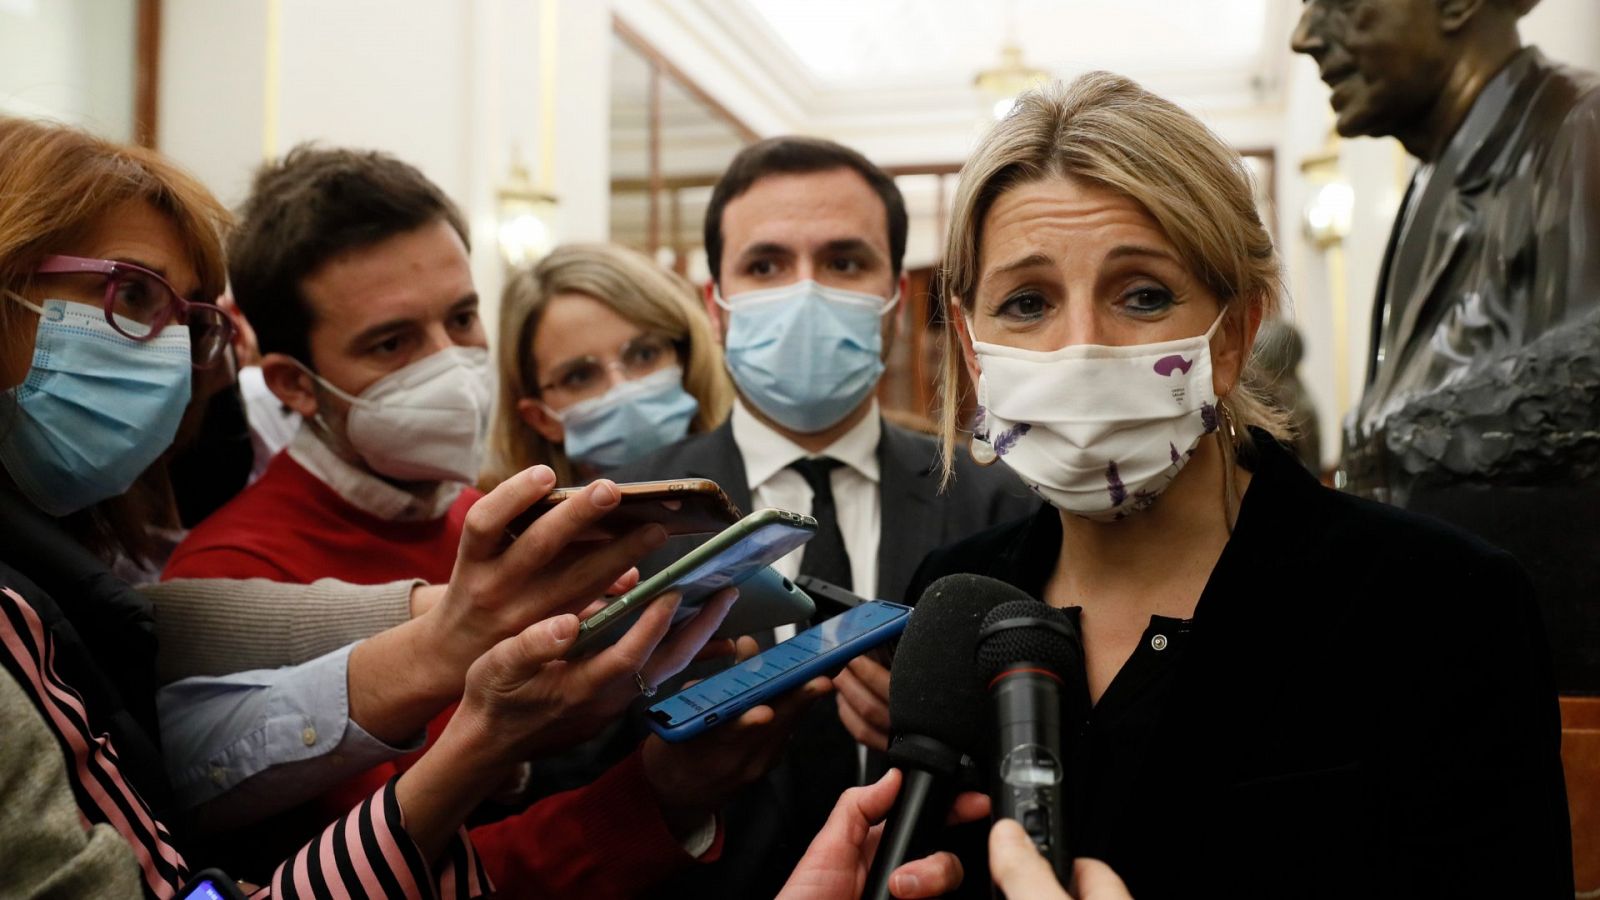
(1228, 423)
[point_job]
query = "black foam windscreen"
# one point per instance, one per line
(935, 689)
(1026, 630)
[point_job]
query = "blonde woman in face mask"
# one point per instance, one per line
(1357, 698)
(604, 358)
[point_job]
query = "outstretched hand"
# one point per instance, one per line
(835, 866)
(863, 700)
(499, 586)
(529, 700)
(520, 698)
(697, 777)
(1021, 872)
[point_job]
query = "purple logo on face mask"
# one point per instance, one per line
(1208, 417)
(1114, 485)
(1167, 365)
(1008, 438)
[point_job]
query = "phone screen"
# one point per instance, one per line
(727, 559)
(740, 561)
(774, 662)
(204, 889)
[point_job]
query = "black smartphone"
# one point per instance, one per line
(681, 506)
(830, 599)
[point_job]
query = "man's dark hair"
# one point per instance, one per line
(308, 207)
(793, 155)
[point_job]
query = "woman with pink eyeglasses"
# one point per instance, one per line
(106, 254)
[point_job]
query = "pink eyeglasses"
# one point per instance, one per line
(139, 303)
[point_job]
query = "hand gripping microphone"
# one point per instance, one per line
(936, 702)
(1031, 657)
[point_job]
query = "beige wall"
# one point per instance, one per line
(69, 60)
(451, 87)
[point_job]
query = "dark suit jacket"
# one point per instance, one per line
(916, 515)
(770, 825)
(1364, 709)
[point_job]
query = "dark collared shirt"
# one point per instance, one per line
(1107, 744)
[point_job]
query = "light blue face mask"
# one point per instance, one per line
(629, 421)
(96, 409)
(805, 354)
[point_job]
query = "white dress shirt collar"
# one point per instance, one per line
(767, 452)
(366, 491)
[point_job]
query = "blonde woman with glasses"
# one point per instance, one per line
(604, 357)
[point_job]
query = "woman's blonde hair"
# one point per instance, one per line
(637, 289)
(1107, 130)
(57, 184)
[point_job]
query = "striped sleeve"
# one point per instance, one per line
(365, 853)
(104, 796)
(368, 853)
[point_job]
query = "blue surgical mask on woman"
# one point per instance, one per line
(96, 409)
(629, 421)
(805, 354)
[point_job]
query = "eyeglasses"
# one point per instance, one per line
(587, 376)
(139, 304)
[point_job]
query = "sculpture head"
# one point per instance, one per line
(1390, 63)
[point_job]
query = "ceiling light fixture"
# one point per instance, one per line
(1002, 84)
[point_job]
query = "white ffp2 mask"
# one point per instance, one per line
(1098, 431)
(424, 422)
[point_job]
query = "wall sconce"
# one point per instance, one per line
(1326, 221)
(1329, 213)
(526, 219)
(1331, 209)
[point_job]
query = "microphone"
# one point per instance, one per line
(936, 702)
(1030, 655)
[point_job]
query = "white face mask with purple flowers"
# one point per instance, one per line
(1098, 431)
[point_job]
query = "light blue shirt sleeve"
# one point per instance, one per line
(241, 747)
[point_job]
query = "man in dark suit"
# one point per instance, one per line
(805, 240)
(1482, 403)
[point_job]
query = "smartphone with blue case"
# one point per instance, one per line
(821, 650)
(210, 884)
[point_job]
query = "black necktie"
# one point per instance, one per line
(825, 556)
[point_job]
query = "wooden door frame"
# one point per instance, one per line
(147, 73)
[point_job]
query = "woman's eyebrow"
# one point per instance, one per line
(1124, 250)
(1030, 261)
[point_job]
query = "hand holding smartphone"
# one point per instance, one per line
(821, 650)
(683, 506)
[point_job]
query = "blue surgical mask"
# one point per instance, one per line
(805, 354)
(629, 421)
(96, 409)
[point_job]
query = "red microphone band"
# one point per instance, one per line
(1010, 672)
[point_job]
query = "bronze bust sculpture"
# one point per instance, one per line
(1482, 399)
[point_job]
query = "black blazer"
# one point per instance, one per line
(916, 515)
(1364, 708)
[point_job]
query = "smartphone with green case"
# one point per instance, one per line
(729, 558)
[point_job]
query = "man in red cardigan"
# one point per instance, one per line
(353, 270)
